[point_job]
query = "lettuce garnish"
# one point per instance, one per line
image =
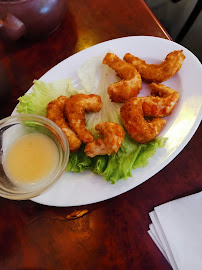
(43, 93)
(131, 155)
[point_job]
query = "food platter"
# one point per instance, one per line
(84, 188)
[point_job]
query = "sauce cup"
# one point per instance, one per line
(12, 129)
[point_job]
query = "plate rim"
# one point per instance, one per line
(169, 159)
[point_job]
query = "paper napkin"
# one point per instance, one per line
(177, 231)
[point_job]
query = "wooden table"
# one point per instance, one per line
(113, 235)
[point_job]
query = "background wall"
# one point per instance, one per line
(173, 16)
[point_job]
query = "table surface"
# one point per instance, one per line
(113, 234)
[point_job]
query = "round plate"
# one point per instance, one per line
(84, 188)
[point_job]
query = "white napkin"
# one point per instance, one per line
(177, 231)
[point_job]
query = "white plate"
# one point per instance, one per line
(84, 188)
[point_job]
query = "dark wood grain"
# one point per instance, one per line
(113, 234)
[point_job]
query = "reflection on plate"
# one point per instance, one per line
(84, 188)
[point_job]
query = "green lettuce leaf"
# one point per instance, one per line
(78, 162)
(118, 166)
(43, 93)
(147, 151)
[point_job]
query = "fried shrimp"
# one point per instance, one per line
(113, 138)
(157, 73)
(140, 130)
(162, 101)
(75, 108)
(131, 82)
(55, 111)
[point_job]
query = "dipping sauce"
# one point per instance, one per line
(31, 158)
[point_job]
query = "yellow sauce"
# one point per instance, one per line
(31, 158)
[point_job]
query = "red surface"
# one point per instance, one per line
(113, 235)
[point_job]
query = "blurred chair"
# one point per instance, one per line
(188, 24)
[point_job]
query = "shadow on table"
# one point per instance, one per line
(6, 87)
(28, 212)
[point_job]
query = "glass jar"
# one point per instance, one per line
(30, 18)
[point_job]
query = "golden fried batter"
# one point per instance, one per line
(113, 138)
(140, 130)
(75, 108)
(162, 101)
(55, 113)
(157, 73)
(131, 82)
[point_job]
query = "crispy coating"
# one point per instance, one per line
(161, 103)
(55, 111)
(140, 130)
(75, 108)
(113, 138)
(157, 73)
(131, 82)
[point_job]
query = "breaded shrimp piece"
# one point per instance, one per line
(75, 108)
(55, 111)
(131, 82)
(157, 73)
(140, 130)
(113, 138)
(161, 103)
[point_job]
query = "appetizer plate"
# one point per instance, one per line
(84, 188)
